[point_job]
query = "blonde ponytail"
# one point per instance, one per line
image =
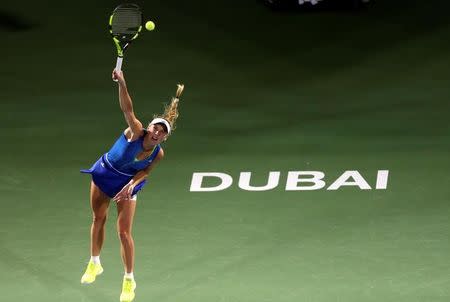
(171, 110)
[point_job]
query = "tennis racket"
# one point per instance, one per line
(125, 24)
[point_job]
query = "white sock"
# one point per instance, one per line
(129, 275)
(95, 259)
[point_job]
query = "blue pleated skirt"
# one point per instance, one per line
(110, 180)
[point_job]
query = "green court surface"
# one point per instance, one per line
(265, 91)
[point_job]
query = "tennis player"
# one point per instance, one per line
(120, 174)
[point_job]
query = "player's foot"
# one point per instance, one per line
(92, 271)
(128, 287)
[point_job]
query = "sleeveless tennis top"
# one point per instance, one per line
(122, 155)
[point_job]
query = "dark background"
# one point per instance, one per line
(321, 89)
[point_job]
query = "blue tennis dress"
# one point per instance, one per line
(114, 169)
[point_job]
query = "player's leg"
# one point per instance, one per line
(126, 210)
(99, 205)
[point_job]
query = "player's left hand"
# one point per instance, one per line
(125, 193)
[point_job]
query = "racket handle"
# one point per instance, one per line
(118, 65)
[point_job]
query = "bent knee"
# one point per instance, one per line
(99, 219)
(124, 235)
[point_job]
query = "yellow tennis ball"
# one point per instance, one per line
(149, 25)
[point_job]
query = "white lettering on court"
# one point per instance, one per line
(342, 180)
(197, 180)
(272, 182)
(313, 178)
(296, 181)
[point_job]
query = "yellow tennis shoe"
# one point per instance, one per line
(128, 287)
(92, 271)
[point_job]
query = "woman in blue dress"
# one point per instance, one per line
(119, 174)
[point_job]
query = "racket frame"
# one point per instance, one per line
(121, 46)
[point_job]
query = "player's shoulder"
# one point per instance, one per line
(160, 154)
(131, 136)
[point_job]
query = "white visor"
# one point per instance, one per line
(161, 121)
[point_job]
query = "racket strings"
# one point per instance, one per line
(126, 21)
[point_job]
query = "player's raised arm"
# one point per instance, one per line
(126, 105)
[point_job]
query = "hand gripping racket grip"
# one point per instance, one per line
(118, 65)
